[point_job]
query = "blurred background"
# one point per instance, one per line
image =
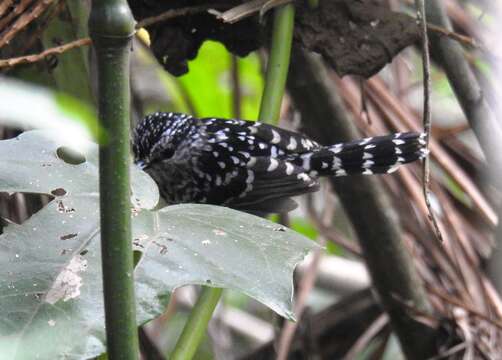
(338, 311)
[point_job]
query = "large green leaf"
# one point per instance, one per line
(50, 291)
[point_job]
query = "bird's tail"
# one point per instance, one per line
(373, 155)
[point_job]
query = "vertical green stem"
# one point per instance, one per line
(111, 27)
(196, 325)
(278, 64)
(275, 83)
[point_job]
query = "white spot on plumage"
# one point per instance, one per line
(221, 164)
(276, 137)
(289, 168)
(369, 146)
(324, 165)
(235, 159)
(251, 162)
(337, 163)
(365, 141)
(398, 151)
(273, 165)
(401, 159)
(306, 161)
(423, 153)
(273, 151)
(218, 180)
(398, 142)
(292, 144)
(262, 146)
(367, 155)
(313, 173)
(368, 164)
(216, 153)
(422, 139)
(367, 172)
(304, 177)
(335, 149)
(340, 172)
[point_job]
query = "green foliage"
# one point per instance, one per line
(304, 227)
(53, 287)
(208, 83)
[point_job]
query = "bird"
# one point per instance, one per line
(253, 166)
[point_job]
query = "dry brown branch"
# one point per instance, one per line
(17, 10)
(25, 19)
(38, 57)
(427, 117)
(304, 288)
(4, 6)
(403, 119)
(171, 14)
(463, 305)
(388, 260)
(466, 40)
(390, 105)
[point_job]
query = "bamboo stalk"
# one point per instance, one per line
(111, 27)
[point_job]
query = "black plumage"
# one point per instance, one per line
(253, 166)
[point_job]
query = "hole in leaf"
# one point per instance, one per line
(68, 236)
(70, 156)
(58, 192)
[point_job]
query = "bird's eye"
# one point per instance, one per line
(162, 155)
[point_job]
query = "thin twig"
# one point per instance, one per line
(38, 57)
(466, 40)
(463, 305)
(304, 289)
(372, 330)
(236, 88)
(427, 112)
(171, 14)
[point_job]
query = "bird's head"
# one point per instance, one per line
(156, 137)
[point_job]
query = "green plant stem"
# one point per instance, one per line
(111, 27)
(275, 83)
(194, 329)
(278, 64)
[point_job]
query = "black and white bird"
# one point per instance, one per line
(253, 166)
